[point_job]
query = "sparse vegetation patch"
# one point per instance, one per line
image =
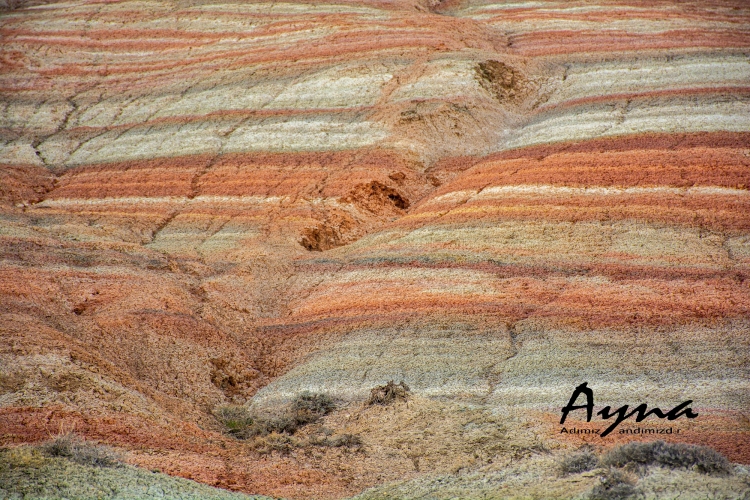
(673, 455)
(278, 432)
(307, 408)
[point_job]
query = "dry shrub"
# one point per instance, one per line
(340, 441)
(309, 407)
(74, 448)
(305, 409)
(578, 462)
(389, 393)
(12, 382)
(673, 455)
(281, 443)
(614, 485)
(345, 440)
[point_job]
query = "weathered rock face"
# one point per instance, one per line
(213, 202)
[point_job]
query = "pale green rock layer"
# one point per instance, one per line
(27, 474)
(530, 367)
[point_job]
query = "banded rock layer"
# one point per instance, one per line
(207, 203)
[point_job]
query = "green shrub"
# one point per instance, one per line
(82, 452)
(578, 462)
(673, 455)
(234, 418)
